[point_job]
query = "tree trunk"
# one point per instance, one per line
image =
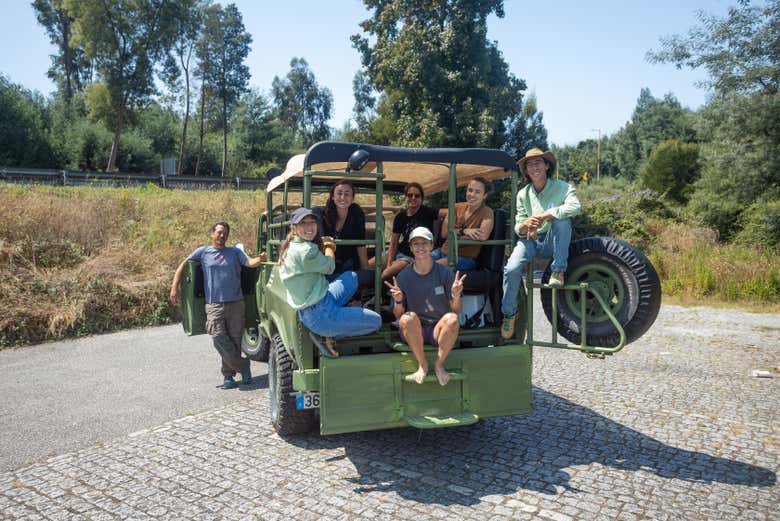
(202, 118)
(67, 57)
(115, 145)
(224, 137)
(180, 166)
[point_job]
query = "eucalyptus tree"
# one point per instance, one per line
(441, 81)
(222, 50)
(124, 39)
(302, 104)
(186, 26)
(70, 69)
(526, 130)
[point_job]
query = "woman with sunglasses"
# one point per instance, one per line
(399, 255)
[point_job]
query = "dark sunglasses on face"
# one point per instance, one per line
(412, 195)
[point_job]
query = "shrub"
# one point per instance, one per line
(628, 215)
(671, 169)
(760, 225)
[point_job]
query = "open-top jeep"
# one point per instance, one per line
(611, 298)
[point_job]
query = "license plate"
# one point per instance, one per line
(307, 400)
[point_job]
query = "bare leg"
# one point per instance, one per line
(394, 269)
(446, 332)
(412, 330)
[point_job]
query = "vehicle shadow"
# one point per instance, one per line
(257, 382)
(530, 452)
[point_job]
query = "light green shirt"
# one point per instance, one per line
(303, 273)
(557, 197)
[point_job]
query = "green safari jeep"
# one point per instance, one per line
(611, 298)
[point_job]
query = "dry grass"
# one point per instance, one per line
(81, 260)
(694, 268)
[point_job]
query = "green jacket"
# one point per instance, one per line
(303, 273)
(557, 197)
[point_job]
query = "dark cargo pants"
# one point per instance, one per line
(225, 324)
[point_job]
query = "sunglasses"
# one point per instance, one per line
(413, 195)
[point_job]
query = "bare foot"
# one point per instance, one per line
(442, 375)
(419, 375)
(330, 343)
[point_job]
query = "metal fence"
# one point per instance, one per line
(67, 178)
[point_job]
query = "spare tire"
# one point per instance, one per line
(625, 279)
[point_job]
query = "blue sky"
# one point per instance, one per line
(585, 60)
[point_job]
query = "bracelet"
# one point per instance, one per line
(456, 297)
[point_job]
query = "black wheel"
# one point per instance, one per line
(285, 418)
(623, 277)
(255, 344)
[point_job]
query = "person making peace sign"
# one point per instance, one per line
(426, 302)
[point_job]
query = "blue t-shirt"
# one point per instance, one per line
(221, 272)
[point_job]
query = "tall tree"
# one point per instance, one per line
(302, 103)
(740, 52)
(442, 82)
(260, 139)
(365, 101)
(223, 51)
(741, 123)
(654, 120)
(124, 39)
(70, 69)
(526, 130)
(186, 26)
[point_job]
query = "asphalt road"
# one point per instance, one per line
(63, 396)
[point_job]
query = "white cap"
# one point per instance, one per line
(421, 231)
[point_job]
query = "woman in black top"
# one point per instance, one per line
(416, 214)
(344, 219)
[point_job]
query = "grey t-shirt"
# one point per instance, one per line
(427, 295)
(221, 272)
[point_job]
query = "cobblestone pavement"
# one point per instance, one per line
(676, 427)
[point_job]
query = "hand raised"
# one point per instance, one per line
(457, 284)
(395, 291)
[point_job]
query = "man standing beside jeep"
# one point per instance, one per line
(221, 266)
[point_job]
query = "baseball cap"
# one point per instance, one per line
(421, 231)
(299, 214)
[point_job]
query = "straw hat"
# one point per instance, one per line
(536, 152)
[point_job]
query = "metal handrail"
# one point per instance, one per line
(583, 288)
(68, 178)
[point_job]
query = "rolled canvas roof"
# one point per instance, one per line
(427, 166)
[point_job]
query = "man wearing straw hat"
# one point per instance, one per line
(543, 224)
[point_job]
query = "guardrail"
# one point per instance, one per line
(68, 178)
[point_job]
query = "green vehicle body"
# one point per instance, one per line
(368, 386)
